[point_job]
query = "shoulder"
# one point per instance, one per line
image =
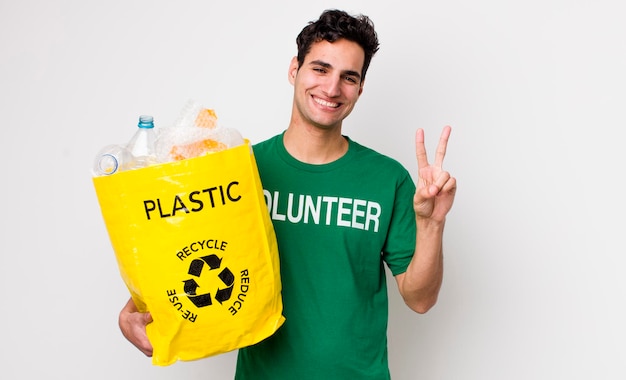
(264, 148)
(379, 160)
(267, 155)
(265, 145)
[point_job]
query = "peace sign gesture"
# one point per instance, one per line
(435, 187)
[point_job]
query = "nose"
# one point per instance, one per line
(332, 86)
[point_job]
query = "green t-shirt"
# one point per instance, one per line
(335, 224)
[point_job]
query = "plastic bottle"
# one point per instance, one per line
(142, 145)
(111, 159)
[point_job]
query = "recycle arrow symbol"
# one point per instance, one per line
(195, 268)
(201, 300)
(191, 286)
(228, 279)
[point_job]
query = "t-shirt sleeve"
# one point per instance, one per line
(400, 243)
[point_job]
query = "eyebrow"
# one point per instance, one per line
(329, 66)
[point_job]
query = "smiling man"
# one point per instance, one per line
(341, 211)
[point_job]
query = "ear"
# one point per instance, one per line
(293, 70)
(361, 87)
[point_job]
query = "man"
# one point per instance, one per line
(341, 211)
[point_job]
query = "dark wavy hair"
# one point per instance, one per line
(335, 24)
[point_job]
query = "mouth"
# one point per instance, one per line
(326, 103)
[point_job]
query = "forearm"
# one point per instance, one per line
(421, 283)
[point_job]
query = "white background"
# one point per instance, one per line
(535, 92)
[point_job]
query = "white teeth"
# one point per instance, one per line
(325, 103)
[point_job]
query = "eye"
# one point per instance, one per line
(351, 79)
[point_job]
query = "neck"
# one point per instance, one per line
(314, 145)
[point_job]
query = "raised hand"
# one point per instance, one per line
(435, 187)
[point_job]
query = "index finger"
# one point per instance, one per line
(420, 149)
(442, 146)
